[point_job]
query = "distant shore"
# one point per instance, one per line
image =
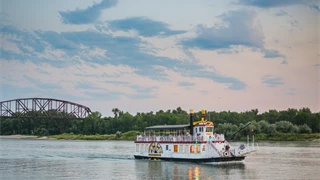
(18, 136)
(301, 137)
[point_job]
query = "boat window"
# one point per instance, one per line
(196, 130)
(209, 129)
(175, 148)
(191, 149)
(186, 148)
(204, 148)
(198, 148)
(167, 147)
(180, 148)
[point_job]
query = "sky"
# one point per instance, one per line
(147, 55)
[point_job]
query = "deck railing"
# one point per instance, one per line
(178, 138)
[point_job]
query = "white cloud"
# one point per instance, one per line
(8, 46)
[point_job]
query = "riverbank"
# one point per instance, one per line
(131, 136)
(19, 136)
(286, 137)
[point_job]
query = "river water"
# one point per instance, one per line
(62, 159)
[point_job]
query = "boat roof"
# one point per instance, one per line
(163, 127)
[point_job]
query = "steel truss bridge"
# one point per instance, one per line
(42, 108)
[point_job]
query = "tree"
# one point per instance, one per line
(304, 129)
(271, 129)
(286, 127)
(116, 112)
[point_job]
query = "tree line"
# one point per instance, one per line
(227, 122)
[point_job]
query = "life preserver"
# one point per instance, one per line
(225, 153)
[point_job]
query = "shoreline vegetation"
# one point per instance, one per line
(131, 136)
(285, 125)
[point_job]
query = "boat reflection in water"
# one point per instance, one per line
(146, 169)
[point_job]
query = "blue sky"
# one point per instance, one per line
(143, 55)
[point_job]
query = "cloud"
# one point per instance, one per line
(57, 41)
(143, 92)
(284, 62)
(270, 3)
(232, 83)
(68, 49)
(22, 37)
(88, 15)
(272, 81)
(145, 64)
(248, 33)
(186, 84)
(282, 13)
(291, 21)
(315, 7)
(268, 53)
(290, 91)
(117, 82)
(211, 38)
(144, 26)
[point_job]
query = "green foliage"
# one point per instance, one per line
(263, 126)
(227, 122)
(42, 131)
(130, 135)
(271, 130)
(84, 137)
(118, 134)
(304, 129)
(286, 127)
(227, 129)
(294, 129)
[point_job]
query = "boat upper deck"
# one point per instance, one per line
(179, 138)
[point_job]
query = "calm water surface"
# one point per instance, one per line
(60, 159)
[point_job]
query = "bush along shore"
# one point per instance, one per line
(290, 124)
(132, 135)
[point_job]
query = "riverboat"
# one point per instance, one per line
(193, 142)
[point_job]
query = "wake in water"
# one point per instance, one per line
(83, 156)
(110, 156)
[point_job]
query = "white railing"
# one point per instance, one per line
(169, 138)
(218, 137)
(178, 138)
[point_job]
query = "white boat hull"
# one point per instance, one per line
(192, 152)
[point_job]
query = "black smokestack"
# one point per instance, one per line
(191, 121)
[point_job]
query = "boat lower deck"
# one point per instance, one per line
(198, 160)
